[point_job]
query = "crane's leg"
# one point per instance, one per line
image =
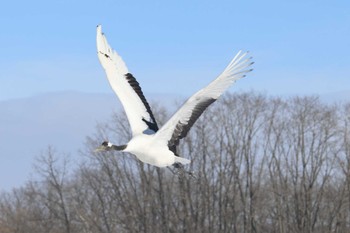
(180, 170)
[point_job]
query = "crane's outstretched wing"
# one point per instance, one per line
(180, 123)
(126, 87)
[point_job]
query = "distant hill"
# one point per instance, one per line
(62, 119)
(338, 97)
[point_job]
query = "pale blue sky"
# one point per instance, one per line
(299, 47)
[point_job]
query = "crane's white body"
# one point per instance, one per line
(148, 144)
(148, 150)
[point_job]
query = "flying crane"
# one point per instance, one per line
(149, 143)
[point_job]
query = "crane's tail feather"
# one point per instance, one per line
(182, 160)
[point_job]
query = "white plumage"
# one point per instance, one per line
(150, 145)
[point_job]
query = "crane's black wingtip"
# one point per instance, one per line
(99, 29)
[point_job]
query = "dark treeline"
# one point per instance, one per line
(262, 165)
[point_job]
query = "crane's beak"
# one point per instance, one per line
(100, 148)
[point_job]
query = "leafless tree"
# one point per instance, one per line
(262, 164)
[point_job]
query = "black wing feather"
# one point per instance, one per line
(182, 128)
(136, 86)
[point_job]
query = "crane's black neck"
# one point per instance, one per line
(121, 147)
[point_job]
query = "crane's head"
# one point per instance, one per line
(105, 146)
(108, 146)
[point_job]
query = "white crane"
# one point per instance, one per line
(149, 143)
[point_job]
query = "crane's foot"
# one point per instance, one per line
(180, 170)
